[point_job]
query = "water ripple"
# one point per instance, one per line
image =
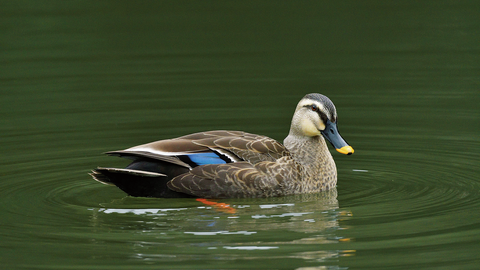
(409, 200)
(402, 202)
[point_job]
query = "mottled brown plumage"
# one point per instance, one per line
(225, 164)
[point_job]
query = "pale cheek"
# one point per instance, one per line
(309, 129)
(321, 126)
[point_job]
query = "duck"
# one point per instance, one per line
(236, 164)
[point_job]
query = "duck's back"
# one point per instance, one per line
(206, 164)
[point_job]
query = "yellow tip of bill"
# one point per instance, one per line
(346, 150)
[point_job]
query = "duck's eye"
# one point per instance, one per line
(314, 108)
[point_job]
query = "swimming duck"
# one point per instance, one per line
(228, 164)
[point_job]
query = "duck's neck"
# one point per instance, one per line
(314, 158)
(307, 150)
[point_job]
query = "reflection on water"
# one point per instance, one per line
(304, 220)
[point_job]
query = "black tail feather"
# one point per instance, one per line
(137, 183)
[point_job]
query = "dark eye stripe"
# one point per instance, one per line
(323, 117)
(314, 108)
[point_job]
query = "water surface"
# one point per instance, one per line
(80, 78)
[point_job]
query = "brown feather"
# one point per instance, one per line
(136, 154)
(240, 179)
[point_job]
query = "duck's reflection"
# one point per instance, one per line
(305, 220)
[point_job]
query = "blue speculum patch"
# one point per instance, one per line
(205, 158)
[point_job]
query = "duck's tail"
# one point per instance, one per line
(137, 183)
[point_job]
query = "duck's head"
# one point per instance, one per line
(315, 114)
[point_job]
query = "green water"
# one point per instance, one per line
(79, 78)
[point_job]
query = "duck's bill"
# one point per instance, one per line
(333, 136)
(346, 150)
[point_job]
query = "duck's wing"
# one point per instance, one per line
(212, 147)
(206, 164)
(243, 146)
(241, 179)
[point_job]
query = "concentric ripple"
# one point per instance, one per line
(389, 203)
(404, 201)
(421, 184)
